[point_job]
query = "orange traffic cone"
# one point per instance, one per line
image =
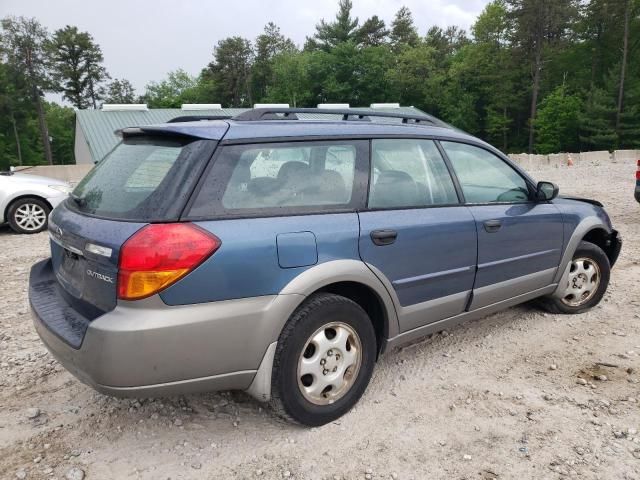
(570, 162)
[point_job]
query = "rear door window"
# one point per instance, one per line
(143, 179)
(282, 177)
(409, 173)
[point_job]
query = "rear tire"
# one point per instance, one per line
(323, 361)
(587, 282)
(28, 215)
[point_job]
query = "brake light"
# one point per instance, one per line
(638, 171)
(158, 255)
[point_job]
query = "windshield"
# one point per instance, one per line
(143, 179)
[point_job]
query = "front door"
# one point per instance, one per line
(519, 239)
(415, 235)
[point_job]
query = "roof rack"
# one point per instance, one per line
(198, 118)
(347, 115)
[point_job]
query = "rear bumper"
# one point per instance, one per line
(147, 348)
(637, 192)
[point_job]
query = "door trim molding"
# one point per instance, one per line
(515, 259)
(434, 327)
(429, 276)
(495, 292)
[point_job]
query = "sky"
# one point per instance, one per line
(143, 40)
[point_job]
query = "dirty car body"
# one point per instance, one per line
(392, 218)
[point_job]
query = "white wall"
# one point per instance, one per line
(81, 147)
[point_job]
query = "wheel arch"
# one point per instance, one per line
(20, 197)
(589, 229)
(602, 238)
(354, 280)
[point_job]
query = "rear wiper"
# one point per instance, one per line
(79, 200)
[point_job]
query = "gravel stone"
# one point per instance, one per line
(75, 473)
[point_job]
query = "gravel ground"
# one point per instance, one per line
(500, 398)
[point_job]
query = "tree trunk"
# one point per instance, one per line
(537, 67)
(17, 137)
(504, 129)
(42, 122)
(623, 68)
(92, 94)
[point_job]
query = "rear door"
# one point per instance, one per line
(519, 240)
(279, 208)
(415, 235)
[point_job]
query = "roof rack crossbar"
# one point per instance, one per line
(198, 118)
(257, 114)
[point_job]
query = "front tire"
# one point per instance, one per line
(28, 215)
(323, 361)
(586, 284)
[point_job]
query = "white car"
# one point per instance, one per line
(26, 200)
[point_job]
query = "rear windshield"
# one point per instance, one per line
(143, 179)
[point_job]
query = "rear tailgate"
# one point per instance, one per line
(84, 255)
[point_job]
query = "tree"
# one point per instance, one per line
(557, 122)
(372, 33)
(77, 69)
(230, 71)
(403, 30)
(597, 121)
(120, 91)
(344, 29)
(408, 74)
(22, 46)
(269, 44)
(446, 42)
(623, 63)
(539, 23)
(492, 25)
(61, 121)
(290, 82)
(176, 89)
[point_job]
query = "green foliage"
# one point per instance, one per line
(403, 30)
(229, 73)
(61, 121)
(331, 34)
(372, 33)
(269, 44)
(23, 48)
(557, 122)
(533, 74)
(179, 87)
(120, 91)
(76, 66)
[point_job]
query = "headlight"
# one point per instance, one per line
(66, 189)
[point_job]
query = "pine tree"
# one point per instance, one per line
(403, 30)
(77, 66)
(343, 29)
(120, 91)
(373, 32)
(22, 46)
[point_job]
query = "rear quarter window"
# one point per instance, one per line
(283, 178)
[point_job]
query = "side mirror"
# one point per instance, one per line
(546, 191)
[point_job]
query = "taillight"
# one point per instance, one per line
(160, 254)
(638, 171)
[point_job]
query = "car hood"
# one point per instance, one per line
(35, 179)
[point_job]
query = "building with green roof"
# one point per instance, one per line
(96, 130)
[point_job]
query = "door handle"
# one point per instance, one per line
(383, 237)
(492, 226)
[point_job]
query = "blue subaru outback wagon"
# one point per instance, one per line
(283, 256)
